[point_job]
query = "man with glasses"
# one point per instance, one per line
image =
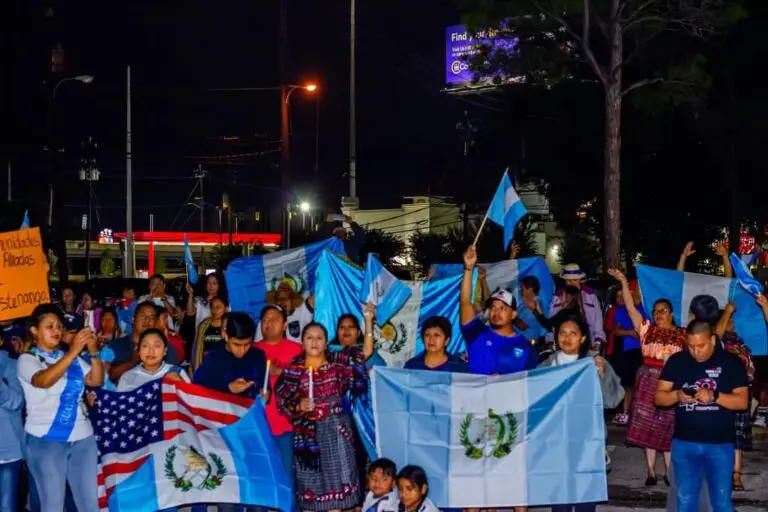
(125, 348)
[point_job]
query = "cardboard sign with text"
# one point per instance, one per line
(24, 276)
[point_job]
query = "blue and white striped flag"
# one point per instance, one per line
(681, 287)
(399, 339)
(250, 278)
(530, 438)
(744, 275)
(25, 223)
(749, 259)
(383, 289)
(189, 261)
(506, 208)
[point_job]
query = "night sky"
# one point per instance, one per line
(407, 140)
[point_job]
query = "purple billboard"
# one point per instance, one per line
(461, 46)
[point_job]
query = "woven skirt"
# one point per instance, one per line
(743, 431)
(649, 426)
(335, 484)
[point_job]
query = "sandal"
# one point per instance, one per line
(737, 485)
(651, 481)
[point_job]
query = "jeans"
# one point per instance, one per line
(53, 465)
(694, 461)
(578, 507)
(9, 482)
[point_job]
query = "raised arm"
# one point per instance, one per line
(721, 251)
(191, 308)
(466, 311)
(688, 250)
(722, 324)
(368, 342)
(634, 314)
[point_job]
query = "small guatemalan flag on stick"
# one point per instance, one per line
(506, 209)
(383, 289)
(25, 223)
(189, 262)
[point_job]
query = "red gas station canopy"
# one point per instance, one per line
(202, 238)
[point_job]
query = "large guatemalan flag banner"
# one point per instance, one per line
(531, 438)
(338, 291)
(168, 443)
(507, 275)
(250, 278)
(681, 287)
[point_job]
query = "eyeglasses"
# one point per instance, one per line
(661, 311)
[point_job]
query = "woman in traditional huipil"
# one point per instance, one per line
(311, 392)
(651, 428)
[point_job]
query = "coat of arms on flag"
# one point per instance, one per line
(168, 443)
(493, 436)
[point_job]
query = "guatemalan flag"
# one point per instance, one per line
(338, 291)
(189, 262)
(250, 278)
(383, 289)
(506, 274)
(168, 444)
(506, 208)
(530, 438)
(681, 287)
(744, 275)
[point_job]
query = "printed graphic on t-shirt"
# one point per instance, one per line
(294, 329)
(709, 383)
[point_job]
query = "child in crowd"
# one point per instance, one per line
(153, 347)
(413, 487)
(381, 496)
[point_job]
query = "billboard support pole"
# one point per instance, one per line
(352, 113)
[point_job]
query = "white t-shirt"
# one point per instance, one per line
(138, 376)
(562, 358)
(387, 503)
(57, 413)
(300, 317)
(428, 506)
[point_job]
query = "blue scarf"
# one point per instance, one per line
(66, 415)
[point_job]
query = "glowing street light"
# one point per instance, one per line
(304, 207)
(311, 87)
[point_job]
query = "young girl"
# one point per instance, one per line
(412, 487)
(572, 340)
(153, 347)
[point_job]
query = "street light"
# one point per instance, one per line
(86, 79)
(304, 207)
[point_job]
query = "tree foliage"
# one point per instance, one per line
(387, 247)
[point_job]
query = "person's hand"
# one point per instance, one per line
(92, 344)
(275, 370)
(348, 219)
(190, 290)
(720, 250)
(481, 272)
(369, 311)
(514, 250)
(685, 399)
(761, 301)
(237, 386)
(600, 363)
(306, 405)
(470, 257)
(688, 250)
(431, 273)
(80, 341)
(730, 308)
(174, 376)
(705, 396)
(617, 275)
(90, 399)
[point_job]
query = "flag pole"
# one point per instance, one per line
(482, 225)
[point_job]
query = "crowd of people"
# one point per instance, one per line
(696, 416)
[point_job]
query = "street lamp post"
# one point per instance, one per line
(304, 207)
(53, 153)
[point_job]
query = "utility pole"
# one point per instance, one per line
(352, 102)
(200, 175)
(467, 132)
(285, 135)
(128, 267)
(89, 173)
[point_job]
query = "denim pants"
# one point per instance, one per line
(695, 461)
(9, 483)
(53, 464)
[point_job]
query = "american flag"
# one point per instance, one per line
(127, 424)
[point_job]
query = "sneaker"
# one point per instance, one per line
(759, 422)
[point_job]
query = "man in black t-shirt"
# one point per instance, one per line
(707, 386)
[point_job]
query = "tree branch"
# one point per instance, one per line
(639, 10)
(639, 84)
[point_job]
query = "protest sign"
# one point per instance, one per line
(24, 279)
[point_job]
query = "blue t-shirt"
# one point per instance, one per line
(453, 364)
(491, 353)
(705, 423)
(621, 318)
(534, 330)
